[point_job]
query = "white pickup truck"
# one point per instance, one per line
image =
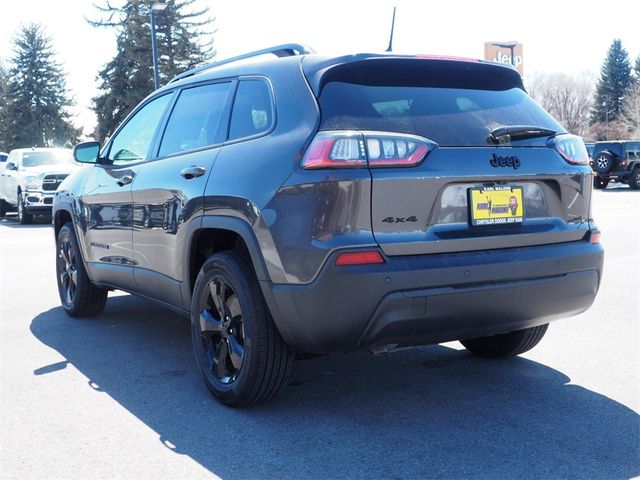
(30, 177)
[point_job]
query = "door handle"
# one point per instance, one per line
(124, 180)
(193, 171)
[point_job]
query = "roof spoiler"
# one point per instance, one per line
(285, 50)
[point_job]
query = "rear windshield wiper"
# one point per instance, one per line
(504, 134)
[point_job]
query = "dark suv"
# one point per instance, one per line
(306, 205)
(617, 161)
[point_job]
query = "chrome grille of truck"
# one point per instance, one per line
(52, 182)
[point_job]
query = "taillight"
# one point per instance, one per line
(340, 149)
(336, 150)
(571, 148)
(594, 237)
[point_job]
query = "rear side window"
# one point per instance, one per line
(633, 151)
(195, 119)
(450, 115)
(252, 110)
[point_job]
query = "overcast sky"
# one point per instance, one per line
(558, 36)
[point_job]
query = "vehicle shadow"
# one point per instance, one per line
(619, 189)
(432, 412)
(38, 221)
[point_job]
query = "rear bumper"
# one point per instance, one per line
(421, 299)
(615, 175)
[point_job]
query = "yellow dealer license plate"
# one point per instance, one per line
(500, 204)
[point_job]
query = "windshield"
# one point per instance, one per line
(54, 157)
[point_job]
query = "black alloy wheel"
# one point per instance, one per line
(67, 267)
(241, 356)
(78, 296)
(222, 330)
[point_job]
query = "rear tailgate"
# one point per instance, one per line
(454, 106)
(426, 209)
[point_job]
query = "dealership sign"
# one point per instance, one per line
(501, 52)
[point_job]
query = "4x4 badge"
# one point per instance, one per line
(512, 161)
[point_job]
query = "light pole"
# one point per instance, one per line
(158, 7)
(511, 46)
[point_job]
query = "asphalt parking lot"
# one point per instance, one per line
(118, 396)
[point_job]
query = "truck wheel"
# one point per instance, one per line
(3, 208)
(603, 163)
(242, 358)
(634, 181)
(79, 297)
(24, 217)
(599, 183)
(507, 344)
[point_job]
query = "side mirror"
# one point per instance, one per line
(11, 166)
(86, 152)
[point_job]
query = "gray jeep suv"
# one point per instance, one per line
(302, 204)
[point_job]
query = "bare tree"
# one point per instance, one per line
(631, 110)
(614, 130)
(568, 98)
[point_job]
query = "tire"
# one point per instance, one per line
(3, 208)
(24, 217)
(634, 180)
(241, 356)
(603, 163)
(507, 344)
(79, 297)
(599, 183)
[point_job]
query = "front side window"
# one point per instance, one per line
(132, 142)
(195, 119)
(252, 110)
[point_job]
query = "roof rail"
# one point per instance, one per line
(285, 50)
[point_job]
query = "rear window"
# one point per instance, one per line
(449, 116)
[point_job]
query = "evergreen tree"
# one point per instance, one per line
(615, 78)
(3, 101)
(128, 77)
(35, 104)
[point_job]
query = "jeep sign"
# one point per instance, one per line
(502, 53)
